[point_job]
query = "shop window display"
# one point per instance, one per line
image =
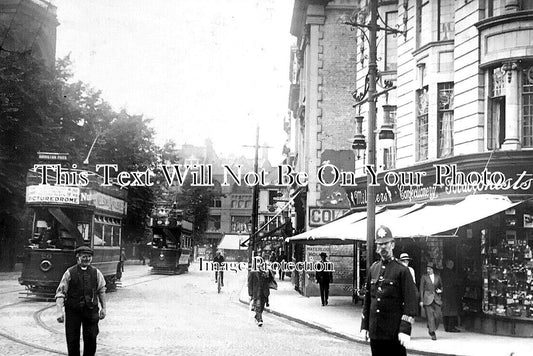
(507, 269)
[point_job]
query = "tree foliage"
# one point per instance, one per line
(42, 110)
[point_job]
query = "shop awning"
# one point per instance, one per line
(417, 220)
(232, 242)
(436, 219)
(336, 232)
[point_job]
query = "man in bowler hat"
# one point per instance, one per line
(430, 295)
(79, 292)
(324, 278)
(390, 300)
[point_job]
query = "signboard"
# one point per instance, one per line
(52, 194)
(450, 179)
(103, 201)
(319, 216)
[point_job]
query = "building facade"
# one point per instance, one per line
(29, 25)
(454, 91)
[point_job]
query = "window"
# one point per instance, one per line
(445, 120)
(213, 224)
(216, 203)
(496, 108)
(423, 22)
(527, 107)
(391, 42)
(421, 125)
(389, 153)
(240, 224)
(446, 20)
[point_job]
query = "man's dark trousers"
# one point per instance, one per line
(324, 292)
(88, 318)
(387, 348)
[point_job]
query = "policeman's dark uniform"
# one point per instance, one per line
(390, 303)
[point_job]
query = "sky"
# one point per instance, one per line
(198, 68)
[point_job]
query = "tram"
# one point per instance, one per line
(170, 251)
(64, 217)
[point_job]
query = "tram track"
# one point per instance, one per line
(38, 318)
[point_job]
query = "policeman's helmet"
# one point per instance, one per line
(383, 235)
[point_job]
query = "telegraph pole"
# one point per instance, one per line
(255, 198)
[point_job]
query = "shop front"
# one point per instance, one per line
(476, 211)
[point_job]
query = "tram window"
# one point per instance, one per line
(116, 236)
(98, 234)
(107, 235)
(84, 230)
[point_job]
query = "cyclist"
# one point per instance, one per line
(219, 259)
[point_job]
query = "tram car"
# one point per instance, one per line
(64, 217)
(170, 251)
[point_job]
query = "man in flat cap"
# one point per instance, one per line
(77, 297)
(390, 300)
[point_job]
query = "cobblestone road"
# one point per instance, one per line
(168, 315)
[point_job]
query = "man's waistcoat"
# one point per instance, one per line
(82, 288)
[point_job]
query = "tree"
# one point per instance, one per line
(40, 110)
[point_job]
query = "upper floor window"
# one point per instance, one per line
(391, 44)
(423, 22)
(389, 153)
(445, 120)
(496, 109)
(527, 107)
(240, 224)
(446, 20)
(213, 223)
(421, 125)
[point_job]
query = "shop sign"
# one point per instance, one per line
(103, 201)
(319, 216)
(444, 181)
(52, 194)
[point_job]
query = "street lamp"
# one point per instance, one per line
(371, 95)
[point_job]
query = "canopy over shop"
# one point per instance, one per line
(485, 228)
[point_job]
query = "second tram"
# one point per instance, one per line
(170, 251)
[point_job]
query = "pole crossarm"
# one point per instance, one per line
(378, 28)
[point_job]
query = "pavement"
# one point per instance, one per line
(343, 319)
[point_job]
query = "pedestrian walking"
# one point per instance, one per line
(258, 289)
(324, 278)
(281, 259)
(451, 297)
(219, 259)
(430, 293)
(81, 288)
(405, 260)
(390, 300)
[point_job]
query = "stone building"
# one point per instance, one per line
(29, 25)
(454, 107)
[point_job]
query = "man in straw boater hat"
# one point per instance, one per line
(390, 300)
(79, 291)
(405, 260)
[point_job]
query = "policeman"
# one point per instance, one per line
(390, 300)
(79, 291)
